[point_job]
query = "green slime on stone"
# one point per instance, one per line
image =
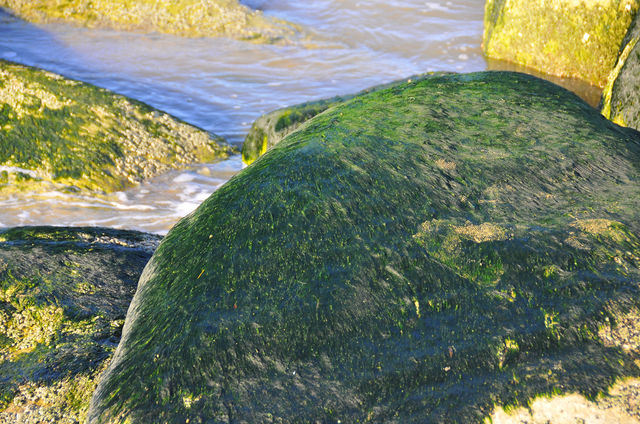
(422, 253)
(64, 293)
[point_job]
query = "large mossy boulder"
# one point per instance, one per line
(421, 253)
(64, 293)
(568, 38)
(189, 18)
(57, 133)
(621, 97)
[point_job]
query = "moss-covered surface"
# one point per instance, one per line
(64, 293)
(64, 134)
(270, 128)
(569, 38)
(190, 18)
(621, 99)
(417, 254)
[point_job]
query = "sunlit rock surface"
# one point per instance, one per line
(60, 134)
(620, 99)
(189, 18)
(567, 38)
(621, 405)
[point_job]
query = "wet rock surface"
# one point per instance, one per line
(64, 293)
(423, 253)
(620, 100)
(566, 38)
(60, 134)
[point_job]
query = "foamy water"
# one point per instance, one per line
(222, 85)
(153, 206)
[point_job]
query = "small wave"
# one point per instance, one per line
(437, 6)
(15, 169)
(122, 207)
(186, 208)
(184, 178)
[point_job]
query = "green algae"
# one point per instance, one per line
(189, 18)
(64, 293)
(620, 97)
(270, 128)
(457, 247)
(67, 135)
(569, 38)
(422, 253)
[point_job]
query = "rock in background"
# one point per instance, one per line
(190, 18)
(64, 293)
(423, 253)
(568, 38)
(621, 96)
(60, 134)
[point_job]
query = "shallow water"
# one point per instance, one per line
(222, 85)
(153, 206)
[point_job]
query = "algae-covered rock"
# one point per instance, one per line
(270, 128)
(421, 253)
(64, 293)
(64, 134)
(190, 18)
(621, 96)
(568, 38)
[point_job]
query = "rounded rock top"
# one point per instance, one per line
(421, 253)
